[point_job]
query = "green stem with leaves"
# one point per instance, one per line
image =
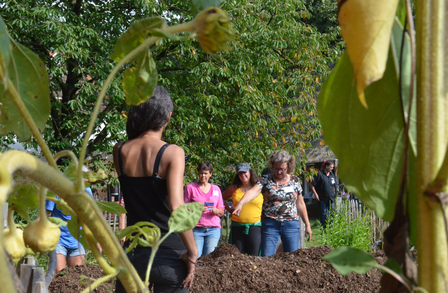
(432, 136)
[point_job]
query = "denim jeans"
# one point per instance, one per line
(271, 230)
(325, 211)
(168, 271)
(206, 239)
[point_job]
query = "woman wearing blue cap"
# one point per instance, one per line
(246, 227)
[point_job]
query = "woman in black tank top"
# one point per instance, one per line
(151, 178)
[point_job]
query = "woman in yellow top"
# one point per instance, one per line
(246, 228)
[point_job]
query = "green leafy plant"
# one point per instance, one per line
(344, 229)
(383, 111)
(24, 106)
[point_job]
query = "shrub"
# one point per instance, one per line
(344, 229)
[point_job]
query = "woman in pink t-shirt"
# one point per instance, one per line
(208, 230)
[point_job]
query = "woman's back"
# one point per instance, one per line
(142, 165)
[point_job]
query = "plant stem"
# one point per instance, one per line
(151, 260)
(5, 275)
(98, 282)
(108, 270)
(184, 27)
(69, 154)
(432, 137)
(42, 197)
(84, 206)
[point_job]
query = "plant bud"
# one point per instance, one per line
(14, 244)
(41, 236)
(213, 30)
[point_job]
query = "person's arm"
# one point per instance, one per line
(250, 195)
(174, 180)
(121, 226)
(313, 189)
(301, 210)
(226, 195)
(219, 210)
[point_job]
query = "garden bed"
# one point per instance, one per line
(227, 270)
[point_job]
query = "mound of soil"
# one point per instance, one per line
(227, 270)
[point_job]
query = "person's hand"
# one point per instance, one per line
(237, 209)
(308, 232)
(215, 211)
(122, 241)
(98, 245)
(191, 267)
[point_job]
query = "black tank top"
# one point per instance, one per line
(146, 199)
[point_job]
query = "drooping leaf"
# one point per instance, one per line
(347, 259)
(5, 45)
(24, 198)
(140, 81)
(366, 27)
(111, 207)
(185, 217)
(94, 176)
(58, 221)
(29, 77)
(76, 231)
(137, 33)
(370, 140)
(199, 5)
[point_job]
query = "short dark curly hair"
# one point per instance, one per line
(150, 115)
(205, 166)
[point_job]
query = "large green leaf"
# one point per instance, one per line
(137, 33)
(140, 81)
(29, 76)
(5, 45)
(368, 142)
(185, 217)
(24, 198)
(111, 207)
(347, 259)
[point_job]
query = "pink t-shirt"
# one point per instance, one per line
(193, 193)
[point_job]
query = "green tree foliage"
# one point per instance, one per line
(229, 108)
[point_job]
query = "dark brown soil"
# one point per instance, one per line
(227, 270)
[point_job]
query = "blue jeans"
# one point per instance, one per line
(271, 230)
(325, 211)
(206, 239)
(69, 252)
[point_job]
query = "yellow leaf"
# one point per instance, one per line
(366, 27)
(208, 126)
(322, 142)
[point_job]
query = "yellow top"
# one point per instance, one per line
(251, 212)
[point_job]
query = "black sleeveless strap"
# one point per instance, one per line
(120, 160)
(155, 171)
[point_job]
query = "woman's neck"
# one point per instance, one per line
(153, 134)
(281, 181)
(205, 184)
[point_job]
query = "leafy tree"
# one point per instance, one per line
(259, 97)
(252, 100)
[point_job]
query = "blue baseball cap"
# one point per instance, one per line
(243, 167)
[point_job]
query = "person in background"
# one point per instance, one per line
(208, 230)
(324, 188)
(151, 179)
(68, 250)
(246, 228)
(283, 203)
